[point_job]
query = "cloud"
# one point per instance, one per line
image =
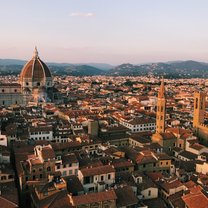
(81, 14)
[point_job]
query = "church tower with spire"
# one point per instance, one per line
(161, 108)
(165, 139)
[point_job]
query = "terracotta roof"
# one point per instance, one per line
(7, 204)
(141, 120)
(74, 185)
(47, 152)
(69, 158)
(190, 184)
(195, 199)
(41, 128)
(36, 70)
(146, 157)
(93, 198)
(168, 136)
(197, 146)
(167, 185)
(178, 131)
(97, 170)
(125, 197)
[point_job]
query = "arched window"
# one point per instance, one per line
(201, 104)
(196, 105)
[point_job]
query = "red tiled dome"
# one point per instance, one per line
(35, 69)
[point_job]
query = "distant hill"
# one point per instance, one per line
(80, 70)
(11, 62)
(175, 69)
(179, 69)
(14, 67)
(101, 66)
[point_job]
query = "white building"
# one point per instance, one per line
(67, 165)
(41, 133)
(139, 124)
(97, 179)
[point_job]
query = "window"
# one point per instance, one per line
(102, 178)
(149, 193)
(196, 105)
(48, 169)
(91, 189)
(64, 166)
(64, 173)
(109, 176)
(41, 176)
(70, 172)
(15, 90)
(2, 90)
(45, 193)
(58, 166)
(201, 104)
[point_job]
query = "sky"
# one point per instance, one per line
(104, 31)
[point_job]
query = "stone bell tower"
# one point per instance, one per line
(161, 108)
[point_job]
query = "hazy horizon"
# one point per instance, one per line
(110, 32)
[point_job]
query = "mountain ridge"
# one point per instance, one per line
(171, 69)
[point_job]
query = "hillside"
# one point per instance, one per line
(183, 69)
(179, 69)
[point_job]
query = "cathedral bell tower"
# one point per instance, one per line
(161, 108)
(199, 109)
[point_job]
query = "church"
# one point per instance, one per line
(35, 85)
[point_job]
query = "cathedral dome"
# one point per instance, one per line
(35, 73)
